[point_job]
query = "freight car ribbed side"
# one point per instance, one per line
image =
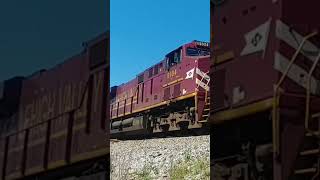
(62, 115)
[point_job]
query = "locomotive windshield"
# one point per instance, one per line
(198, 51)
(173, 58)
(113, 93)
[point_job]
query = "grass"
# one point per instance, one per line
(146, 172)
(191, 168)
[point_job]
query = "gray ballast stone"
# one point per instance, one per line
(157, 156)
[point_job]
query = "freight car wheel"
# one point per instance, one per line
(183, 125)
(165, 127)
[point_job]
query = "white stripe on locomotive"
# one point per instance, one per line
(293, 39)
(296, 73)
(202, 84)
(202, 74)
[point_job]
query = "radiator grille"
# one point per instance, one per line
(176, 90)
(166, 94)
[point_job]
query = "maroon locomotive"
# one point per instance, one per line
(171, 95)
(56, 119)
(265, 90)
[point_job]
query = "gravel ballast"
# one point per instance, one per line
(161, 158)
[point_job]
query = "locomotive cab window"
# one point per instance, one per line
(140, 78)
(156, 69)
(150, 72)
(173, 58)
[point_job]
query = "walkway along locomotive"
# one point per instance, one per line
(265, 90)
(169, 96)
(54, 122)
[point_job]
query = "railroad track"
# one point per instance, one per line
(169, 134)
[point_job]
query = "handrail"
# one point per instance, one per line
(203, 78)
(276, 95)
(295, 56)
(307, 116)
(316, 176)
(206, 97)
(206, 93)
(275, 122)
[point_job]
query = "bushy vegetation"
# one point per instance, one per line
(146, 173)
(191, 168)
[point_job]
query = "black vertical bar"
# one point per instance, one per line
(142, 92)
(117, 109)
(138, 93)
(5, 158)
(47, 144)
(89, 103)
(151, 86)
(105, 93)
(25, 151)
(124, 107)
(69, 137)
(131, 104)
(111, 110)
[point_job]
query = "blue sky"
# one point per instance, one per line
(39, 34)
(143, 31)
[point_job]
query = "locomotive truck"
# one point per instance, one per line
(170, 96)
(265, 89)
(54, 122)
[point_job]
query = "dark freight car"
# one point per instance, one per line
(265, 91)
(61, 116)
